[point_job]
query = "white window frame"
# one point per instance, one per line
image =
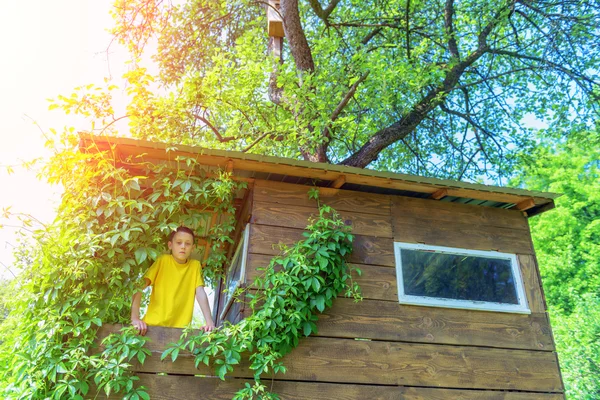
(243, 249)
(520, 308)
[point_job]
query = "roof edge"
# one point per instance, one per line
(327, 171)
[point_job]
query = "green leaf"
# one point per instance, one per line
(316, 285)
(306, 328)
(140, 255)
(174, 354)
(221, 371)
(166, 353)
(61, 369)
(320, 302)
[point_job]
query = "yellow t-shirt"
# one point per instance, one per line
(173, 291)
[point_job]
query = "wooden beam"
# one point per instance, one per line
(229, 167)
(438, 194)
(525, 204)
(339, 182)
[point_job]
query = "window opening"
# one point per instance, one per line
(236, 272)
(459, 278)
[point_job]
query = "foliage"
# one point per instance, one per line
(428, 87)
(85, 266)
(304, 280)
(567, 242)
(4, 293)
(567, 239)
(113, 364)
(578, 346)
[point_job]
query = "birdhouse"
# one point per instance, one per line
(274, 19)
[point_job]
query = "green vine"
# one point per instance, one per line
(297, 285)
(82, 269)
(113, 366)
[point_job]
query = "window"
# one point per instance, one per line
(236, 272)
(459, 278)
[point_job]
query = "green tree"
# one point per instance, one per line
(567, 242)
(578, 347)
(427, 87)
(567, 239)
(4, 294)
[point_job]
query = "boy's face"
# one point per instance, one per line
(181, 246)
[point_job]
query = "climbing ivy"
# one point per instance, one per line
(80, 271)
(301, 282)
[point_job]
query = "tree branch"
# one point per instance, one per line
(408, 123)
(449, 27)
(220, 137)
(295, 35)
(370, 36)
(338, 110)
(323, 13)
(408, 29)
(275, 92)
(572, 74)
(251, 145)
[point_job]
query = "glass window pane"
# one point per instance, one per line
(458, 276)
(233, 275)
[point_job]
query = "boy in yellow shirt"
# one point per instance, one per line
(175, 279)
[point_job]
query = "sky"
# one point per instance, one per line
(47, 48)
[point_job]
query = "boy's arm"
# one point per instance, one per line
(202, 300)
(135, 311)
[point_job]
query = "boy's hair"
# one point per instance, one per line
(184, 229)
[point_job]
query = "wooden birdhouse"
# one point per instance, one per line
(274, 19)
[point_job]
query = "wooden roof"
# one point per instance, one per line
(253, 166)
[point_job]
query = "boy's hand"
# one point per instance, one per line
(208, 327)
(139, 325)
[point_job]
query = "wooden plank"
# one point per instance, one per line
(367, 250)
(438, 194)
(339, 182)
(391, 321)
(411, 210)
(173, 387)
(341, 200)
(385, 320)
(465, 237)
(298, 216)
(532, 283)
(410, 364)
(376, 282)
(525, 204)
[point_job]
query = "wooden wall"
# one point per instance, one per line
(378, 348)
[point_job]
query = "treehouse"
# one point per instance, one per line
(452, 307)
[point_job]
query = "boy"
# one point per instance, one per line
(175, 278)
